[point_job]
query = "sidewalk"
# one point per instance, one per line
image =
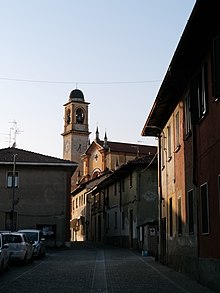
(119, 270)
(129, 271)
(179, 280)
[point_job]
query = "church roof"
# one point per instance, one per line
(76, 95)
(24, 157)
(122, 147)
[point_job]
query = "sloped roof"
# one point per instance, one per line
(146, 161)
(24, 157)
(202, 27)
(122, 147)
(91, 183)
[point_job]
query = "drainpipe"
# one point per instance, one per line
(160, 244)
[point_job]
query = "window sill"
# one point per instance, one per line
(188, 135)
(206, 234)
(177, 148)
(169, 159)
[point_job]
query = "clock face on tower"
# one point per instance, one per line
(67, 146)
(78, 147)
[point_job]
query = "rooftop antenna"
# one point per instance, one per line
(14, 130)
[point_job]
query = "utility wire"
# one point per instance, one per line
(78, 82)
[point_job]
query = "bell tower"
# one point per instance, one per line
(76, 130)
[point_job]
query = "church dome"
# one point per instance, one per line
(76, 95)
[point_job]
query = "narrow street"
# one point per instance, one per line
(85, 268)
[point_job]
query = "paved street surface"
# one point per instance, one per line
(85, 268)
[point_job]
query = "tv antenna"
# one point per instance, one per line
(14, 131)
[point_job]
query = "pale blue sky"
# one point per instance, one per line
(104, 45)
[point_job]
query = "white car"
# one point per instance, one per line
(20, 247)
(4, 253)
(38, 239)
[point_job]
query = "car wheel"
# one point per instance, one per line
(2, 266)
(25, 259)
(32, 258)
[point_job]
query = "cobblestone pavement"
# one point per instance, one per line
(85, 268)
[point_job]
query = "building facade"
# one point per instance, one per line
(35, 193)
(185, 117)
(124, 206)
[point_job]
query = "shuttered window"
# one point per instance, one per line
(204, 208)
(216, 67)
(190, 212)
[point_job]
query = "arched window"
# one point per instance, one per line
(80, 116)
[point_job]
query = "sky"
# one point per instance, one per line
(115, 51)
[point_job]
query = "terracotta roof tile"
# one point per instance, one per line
(23, 156)
(129, 147)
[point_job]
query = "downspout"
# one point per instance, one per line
(160, 199)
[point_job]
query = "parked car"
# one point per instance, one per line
(4, 253)
(20, 247)
(38, 241)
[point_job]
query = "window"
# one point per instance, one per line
(177, 131)
(108, 221)
(115, 188)
(123, 220)
(79, 116)
(219, 192)
(99, 200)
(202, 92)
(216, 68)
(123, 184)
(190, 212)
(179, 218)
(162, 151)
(169, 153)
(68, 117)
(10, 179)
(171, 216)
(107, 197)
(76, 203)
(204, 208)
(82, 199)
(116, 220)
(130, 178)
(188, 125)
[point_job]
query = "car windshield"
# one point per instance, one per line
(32, 236)
(13, 238)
